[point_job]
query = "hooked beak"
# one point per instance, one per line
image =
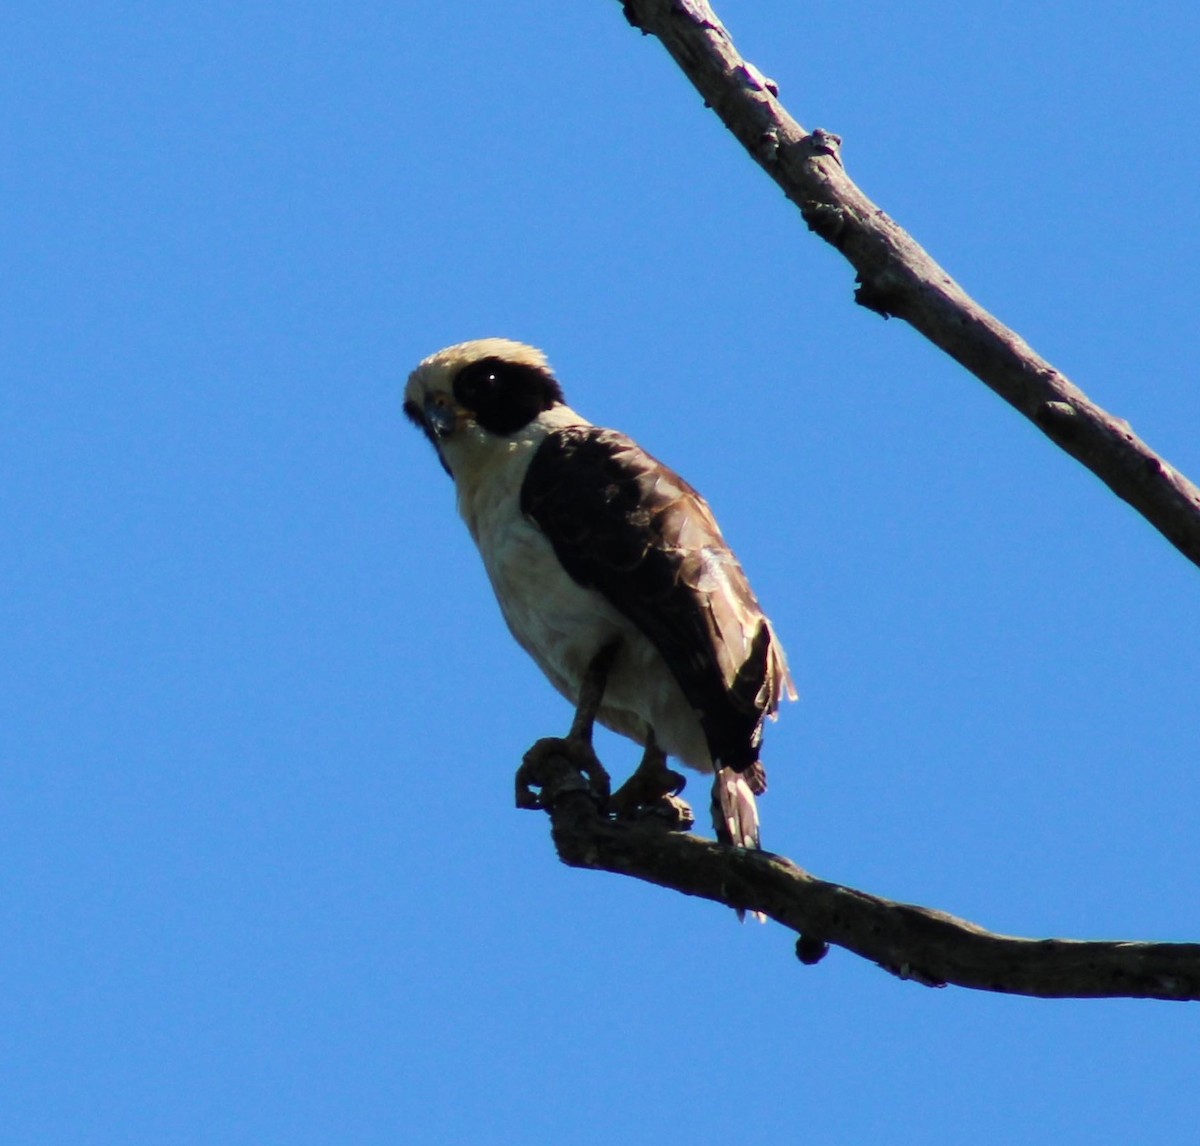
(440, 416)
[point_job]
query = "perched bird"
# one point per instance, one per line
(608, 567)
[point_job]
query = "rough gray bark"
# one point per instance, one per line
(898, 278)
(917, 943)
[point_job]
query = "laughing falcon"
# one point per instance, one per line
(592, 544)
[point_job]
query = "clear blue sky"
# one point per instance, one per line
(261, 880)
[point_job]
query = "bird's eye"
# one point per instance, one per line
(477, 383)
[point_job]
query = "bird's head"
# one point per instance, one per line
(470, 398)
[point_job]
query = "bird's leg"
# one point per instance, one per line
(653, 790)
(591, 693)
(577, 746)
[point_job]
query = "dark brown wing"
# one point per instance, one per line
(625, 525)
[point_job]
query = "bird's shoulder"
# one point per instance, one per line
(623, 522)
(590, 484)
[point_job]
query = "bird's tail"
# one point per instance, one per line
(735, 811)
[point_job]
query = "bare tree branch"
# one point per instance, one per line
(917, 943)
(897, 277)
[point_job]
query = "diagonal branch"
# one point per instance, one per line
(927, 946)
(897, 277)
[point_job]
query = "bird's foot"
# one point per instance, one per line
(652, 792)
(555, 765)
(666, 811)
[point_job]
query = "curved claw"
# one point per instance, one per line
(652, 788)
